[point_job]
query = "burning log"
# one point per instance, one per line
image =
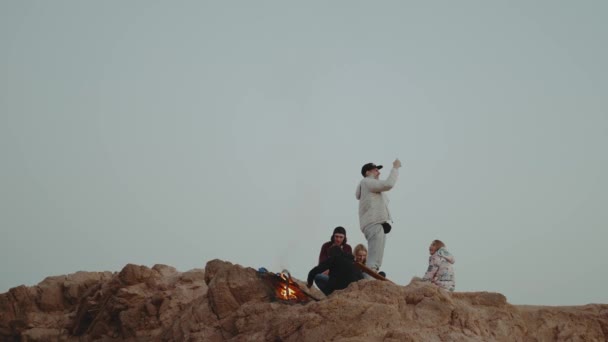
(284, 288)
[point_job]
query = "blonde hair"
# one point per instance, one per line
(359, 248)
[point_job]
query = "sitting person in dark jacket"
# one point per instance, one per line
(338, 238)
(342, 270)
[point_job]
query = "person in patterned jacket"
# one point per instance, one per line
(440, 271)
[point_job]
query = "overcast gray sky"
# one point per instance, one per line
(179, 132)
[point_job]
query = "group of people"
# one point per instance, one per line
(336, 268)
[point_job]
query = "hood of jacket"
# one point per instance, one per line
(443, 253)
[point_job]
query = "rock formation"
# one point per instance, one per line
(226, 302)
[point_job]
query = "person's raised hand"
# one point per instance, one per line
(397, 163)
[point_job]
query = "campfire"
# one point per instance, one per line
(284, 288)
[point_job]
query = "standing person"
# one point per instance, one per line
(374, 215)
(440, 271)
(342, 271)
(338, 238)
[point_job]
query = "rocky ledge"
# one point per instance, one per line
(226, 302)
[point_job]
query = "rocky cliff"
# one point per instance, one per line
(226, 302)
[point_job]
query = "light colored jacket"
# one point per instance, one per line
(373, 203)
(440, 271)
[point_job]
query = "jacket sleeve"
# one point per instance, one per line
(377, 185)
(322, 267)
(358, 192)
(432, 269)
(323, 254)
(347, 249)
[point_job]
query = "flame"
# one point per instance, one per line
(285, 288)
(286, 292)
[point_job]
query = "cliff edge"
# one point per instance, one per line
(227, 302)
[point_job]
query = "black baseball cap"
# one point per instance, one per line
(368, 167)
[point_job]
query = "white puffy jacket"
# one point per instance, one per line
(373, 203)
(440, 271)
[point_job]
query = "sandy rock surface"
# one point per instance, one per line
(226, 302)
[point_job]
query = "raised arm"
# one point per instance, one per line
(377, 185)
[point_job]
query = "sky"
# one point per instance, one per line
(150, 132)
